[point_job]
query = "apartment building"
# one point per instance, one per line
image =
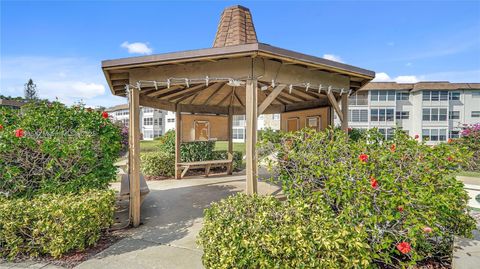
(435, 111)
(152, 121)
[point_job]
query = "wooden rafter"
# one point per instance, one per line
(272, 96)
(220, 86)
(238, 98)
(177, 99)
(163, 91)
(184, 91)
(335, 105)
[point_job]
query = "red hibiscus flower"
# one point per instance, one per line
(104, 115)
(417, 136)
(450, 158)
(404, 247)
(373, 182)
(363, 157)
(349, 129)
(1, 127)
(427, 229)
(400, 208)
(393, 147)
(19, 133)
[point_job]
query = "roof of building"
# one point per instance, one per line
(117, 107)
(235, 38)
(13, 103)
(419, 86)
(235, 28)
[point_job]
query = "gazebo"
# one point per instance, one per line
(238, 75)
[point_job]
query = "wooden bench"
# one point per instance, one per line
(207, 165)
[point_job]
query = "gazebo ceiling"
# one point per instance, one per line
(205, 79)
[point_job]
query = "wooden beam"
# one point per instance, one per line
(204, 109)
(184, 91)
(238, 98)
(134, 156)
(178, 141)
(165, 91)
(251, 135)
(230, 139)
(272, 96)
(219, 87)
(156, 103)
(335, 105)
(345, 112)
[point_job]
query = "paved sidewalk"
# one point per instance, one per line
(172, 216)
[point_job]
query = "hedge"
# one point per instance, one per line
(49, 147)
(53, 224)
(157, 164)
(261, 232)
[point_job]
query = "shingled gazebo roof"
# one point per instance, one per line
(235, 28)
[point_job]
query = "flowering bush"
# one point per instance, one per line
(470, 141)
(48, 147)
(401, 192)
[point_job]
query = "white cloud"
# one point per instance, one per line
(384, 77)
(333, 57)
(381, 77)
(408, 64)
(71, 80)
(137, 47)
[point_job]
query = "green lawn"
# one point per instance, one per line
(151, 145)
(469, 174)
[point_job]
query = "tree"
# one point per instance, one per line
(30, 90)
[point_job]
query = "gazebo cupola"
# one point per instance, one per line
(238, 75)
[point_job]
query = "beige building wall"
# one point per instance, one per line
(301, 118)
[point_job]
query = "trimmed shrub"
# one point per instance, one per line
(167, 142)
(52, 223)
(223, 155)
(51, 148)
(403, 192)
(157, 164)
(197, 151)
(261, 232)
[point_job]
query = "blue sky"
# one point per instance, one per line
(60, 44)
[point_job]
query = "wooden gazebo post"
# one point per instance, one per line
(344, 103)
(178, 141)
(251, 135)
(134, 154)
(230, 138)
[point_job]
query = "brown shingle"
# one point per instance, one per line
(235, 28)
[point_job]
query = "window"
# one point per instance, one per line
(358, 115)
(454, 115)
(382, 95)
(434, 134)
(156, 122)
(403, 96)
(476, 94)
(238, 133)
(238, 120)
(475, 114)
(276, 116)
(147, 134)
(434, 114)
(147, 110)
(435, 96)
(454, 96)
(160, 121)
(382, 114)
(454, 134)
(358, 99)
(147, 121)
(402, 115)
(387, 132)
(313, 122)
(170, 120)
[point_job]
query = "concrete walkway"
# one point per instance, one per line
(172, 217)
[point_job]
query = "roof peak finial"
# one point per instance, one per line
(235, 27)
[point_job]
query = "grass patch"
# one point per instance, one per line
(469, 174)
